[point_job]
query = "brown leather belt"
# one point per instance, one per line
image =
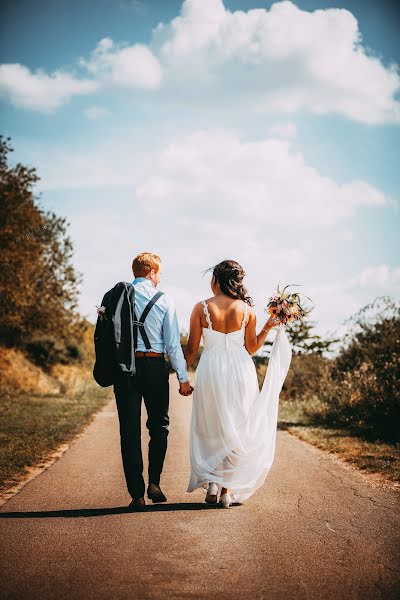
(149, 354)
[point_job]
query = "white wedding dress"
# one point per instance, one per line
(233, 425)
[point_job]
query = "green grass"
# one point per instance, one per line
(33, 427)
(361, 450)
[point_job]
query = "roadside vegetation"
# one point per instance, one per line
(349, 404)
(46, 353)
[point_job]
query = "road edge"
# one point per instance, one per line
(33, 472)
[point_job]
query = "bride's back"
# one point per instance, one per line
(226, 313)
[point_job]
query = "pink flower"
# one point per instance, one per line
(101, 312)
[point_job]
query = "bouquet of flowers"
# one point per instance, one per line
(286, 306)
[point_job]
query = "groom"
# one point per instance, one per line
(157, 332)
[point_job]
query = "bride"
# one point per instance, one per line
(233, 424)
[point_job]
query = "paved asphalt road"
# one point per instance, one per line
(317, 529)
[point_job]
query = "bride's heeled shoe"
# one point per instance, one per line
(225, 500)
(212, 493)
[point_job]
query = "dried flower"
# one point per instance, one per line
(101, 312)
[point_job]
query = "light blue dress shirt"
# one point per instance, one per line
(161, 326)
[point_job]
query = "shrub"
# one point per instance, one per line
(361, 388)
(307, 374)
(47, 351)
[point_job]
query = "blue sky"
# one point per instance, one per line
(206, 130)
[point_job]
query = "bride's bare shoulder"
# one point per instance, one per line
(251, 314)
(198, 307)
(249, 311)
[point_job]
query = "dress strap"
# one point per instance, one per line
(205, 308)
(246, 312)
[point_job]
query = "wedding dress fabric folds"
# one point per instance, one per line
(233, 424)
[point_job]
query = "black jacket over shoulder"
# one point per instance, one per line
(113, 336)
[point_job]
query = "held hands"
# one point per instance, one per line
(185, 389)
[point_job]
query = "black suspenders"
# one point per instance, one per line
(138, 325)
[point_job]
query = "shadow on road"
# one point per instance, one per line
(100, 512)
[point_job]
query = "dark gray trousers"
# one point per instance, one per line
(150, 384)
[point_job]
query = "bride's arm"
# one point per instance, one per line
(193, 344)
(253, 342)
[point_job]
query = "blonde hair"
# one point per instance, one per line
(144, 263)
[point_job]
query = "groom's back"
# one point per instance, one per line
(144, 292)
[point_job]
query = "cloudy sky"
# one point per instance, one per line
(203, 130)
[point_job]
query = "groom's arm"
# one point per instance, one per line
(172, 342)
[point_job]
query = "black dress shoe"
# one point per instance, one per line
(137, 504)
(155, 493)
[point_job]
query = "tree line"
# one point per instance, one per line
(38, 282)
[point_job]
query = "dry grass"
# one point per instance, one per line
(40, 412)
(18, 374)
(33, 427)
(372, 456)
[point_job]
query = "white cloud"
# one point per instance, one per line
(96, 112)
(336, 301)
(381, 276)
(141, 8)
(131, 67)
(258, 202)
(205, 197)
(283, 130)
(284, 59)
(346, 236)
(186, 251)
(39, 91)
(209, 196)
(224, 178)
(117, 163)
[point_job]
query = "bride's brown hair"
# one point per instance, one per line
(229, 275)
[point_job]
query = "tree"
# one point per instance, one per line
(38, 283)
(304, 341)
